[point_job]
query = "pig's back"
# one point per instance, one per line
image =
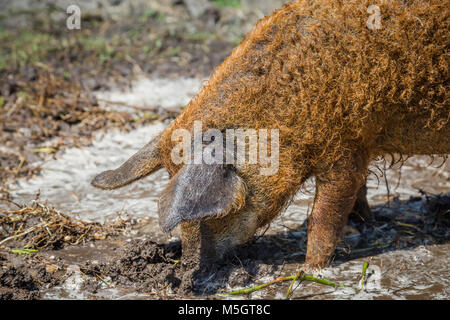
(314, 70)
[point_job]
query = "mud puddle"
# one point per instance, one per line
(64, 180)
(408, 259)
(160, 92)
(407, 246)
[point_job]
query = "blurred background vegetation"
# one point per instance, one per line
(48, 72)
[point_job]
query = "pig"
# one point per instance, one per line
(343, 85)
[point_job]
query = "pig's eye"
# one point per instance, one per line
(226, 173)
(229, 168)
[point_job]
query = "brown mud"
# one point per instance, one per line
(48, 74)
(148, 270)
(47, 77)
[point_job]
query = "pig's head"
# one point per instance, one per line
(216, 205)
(209, 202)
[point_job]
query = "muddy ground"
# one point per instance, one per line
(50, 79)
(48, 73)
(75, 259)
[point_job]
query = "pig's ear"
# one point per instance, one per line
(200, 191)
(144, 162)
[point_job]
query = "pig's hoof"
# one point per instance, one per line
(361, 210)
(316, 263)
(313, 269)
(362, 214)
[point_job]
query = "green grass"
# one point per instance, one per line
(93, 43)
(227, 3)
(104, 49)
(237, 40)
(24, 48)
(23, 251)
(174, 51)
(3, 61)
(152, 14)
(146, 38)
(200, 36)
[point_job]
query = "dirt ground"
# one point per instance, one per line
(47, 76)
(48, 73)
(63, 252)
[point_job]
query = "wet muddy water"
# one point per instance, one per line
(413, 271)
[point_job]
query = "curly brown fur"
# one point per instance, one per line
(340, 94)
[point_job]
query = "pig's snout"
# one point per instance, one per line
(212, 238)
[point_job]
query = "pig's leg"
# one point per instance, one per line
(361, 210)
(197, 241)
(334, 200)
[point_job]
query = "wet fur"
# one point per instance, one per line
(340, 94)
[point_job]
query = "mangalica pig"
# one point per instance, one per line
(343, 82)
